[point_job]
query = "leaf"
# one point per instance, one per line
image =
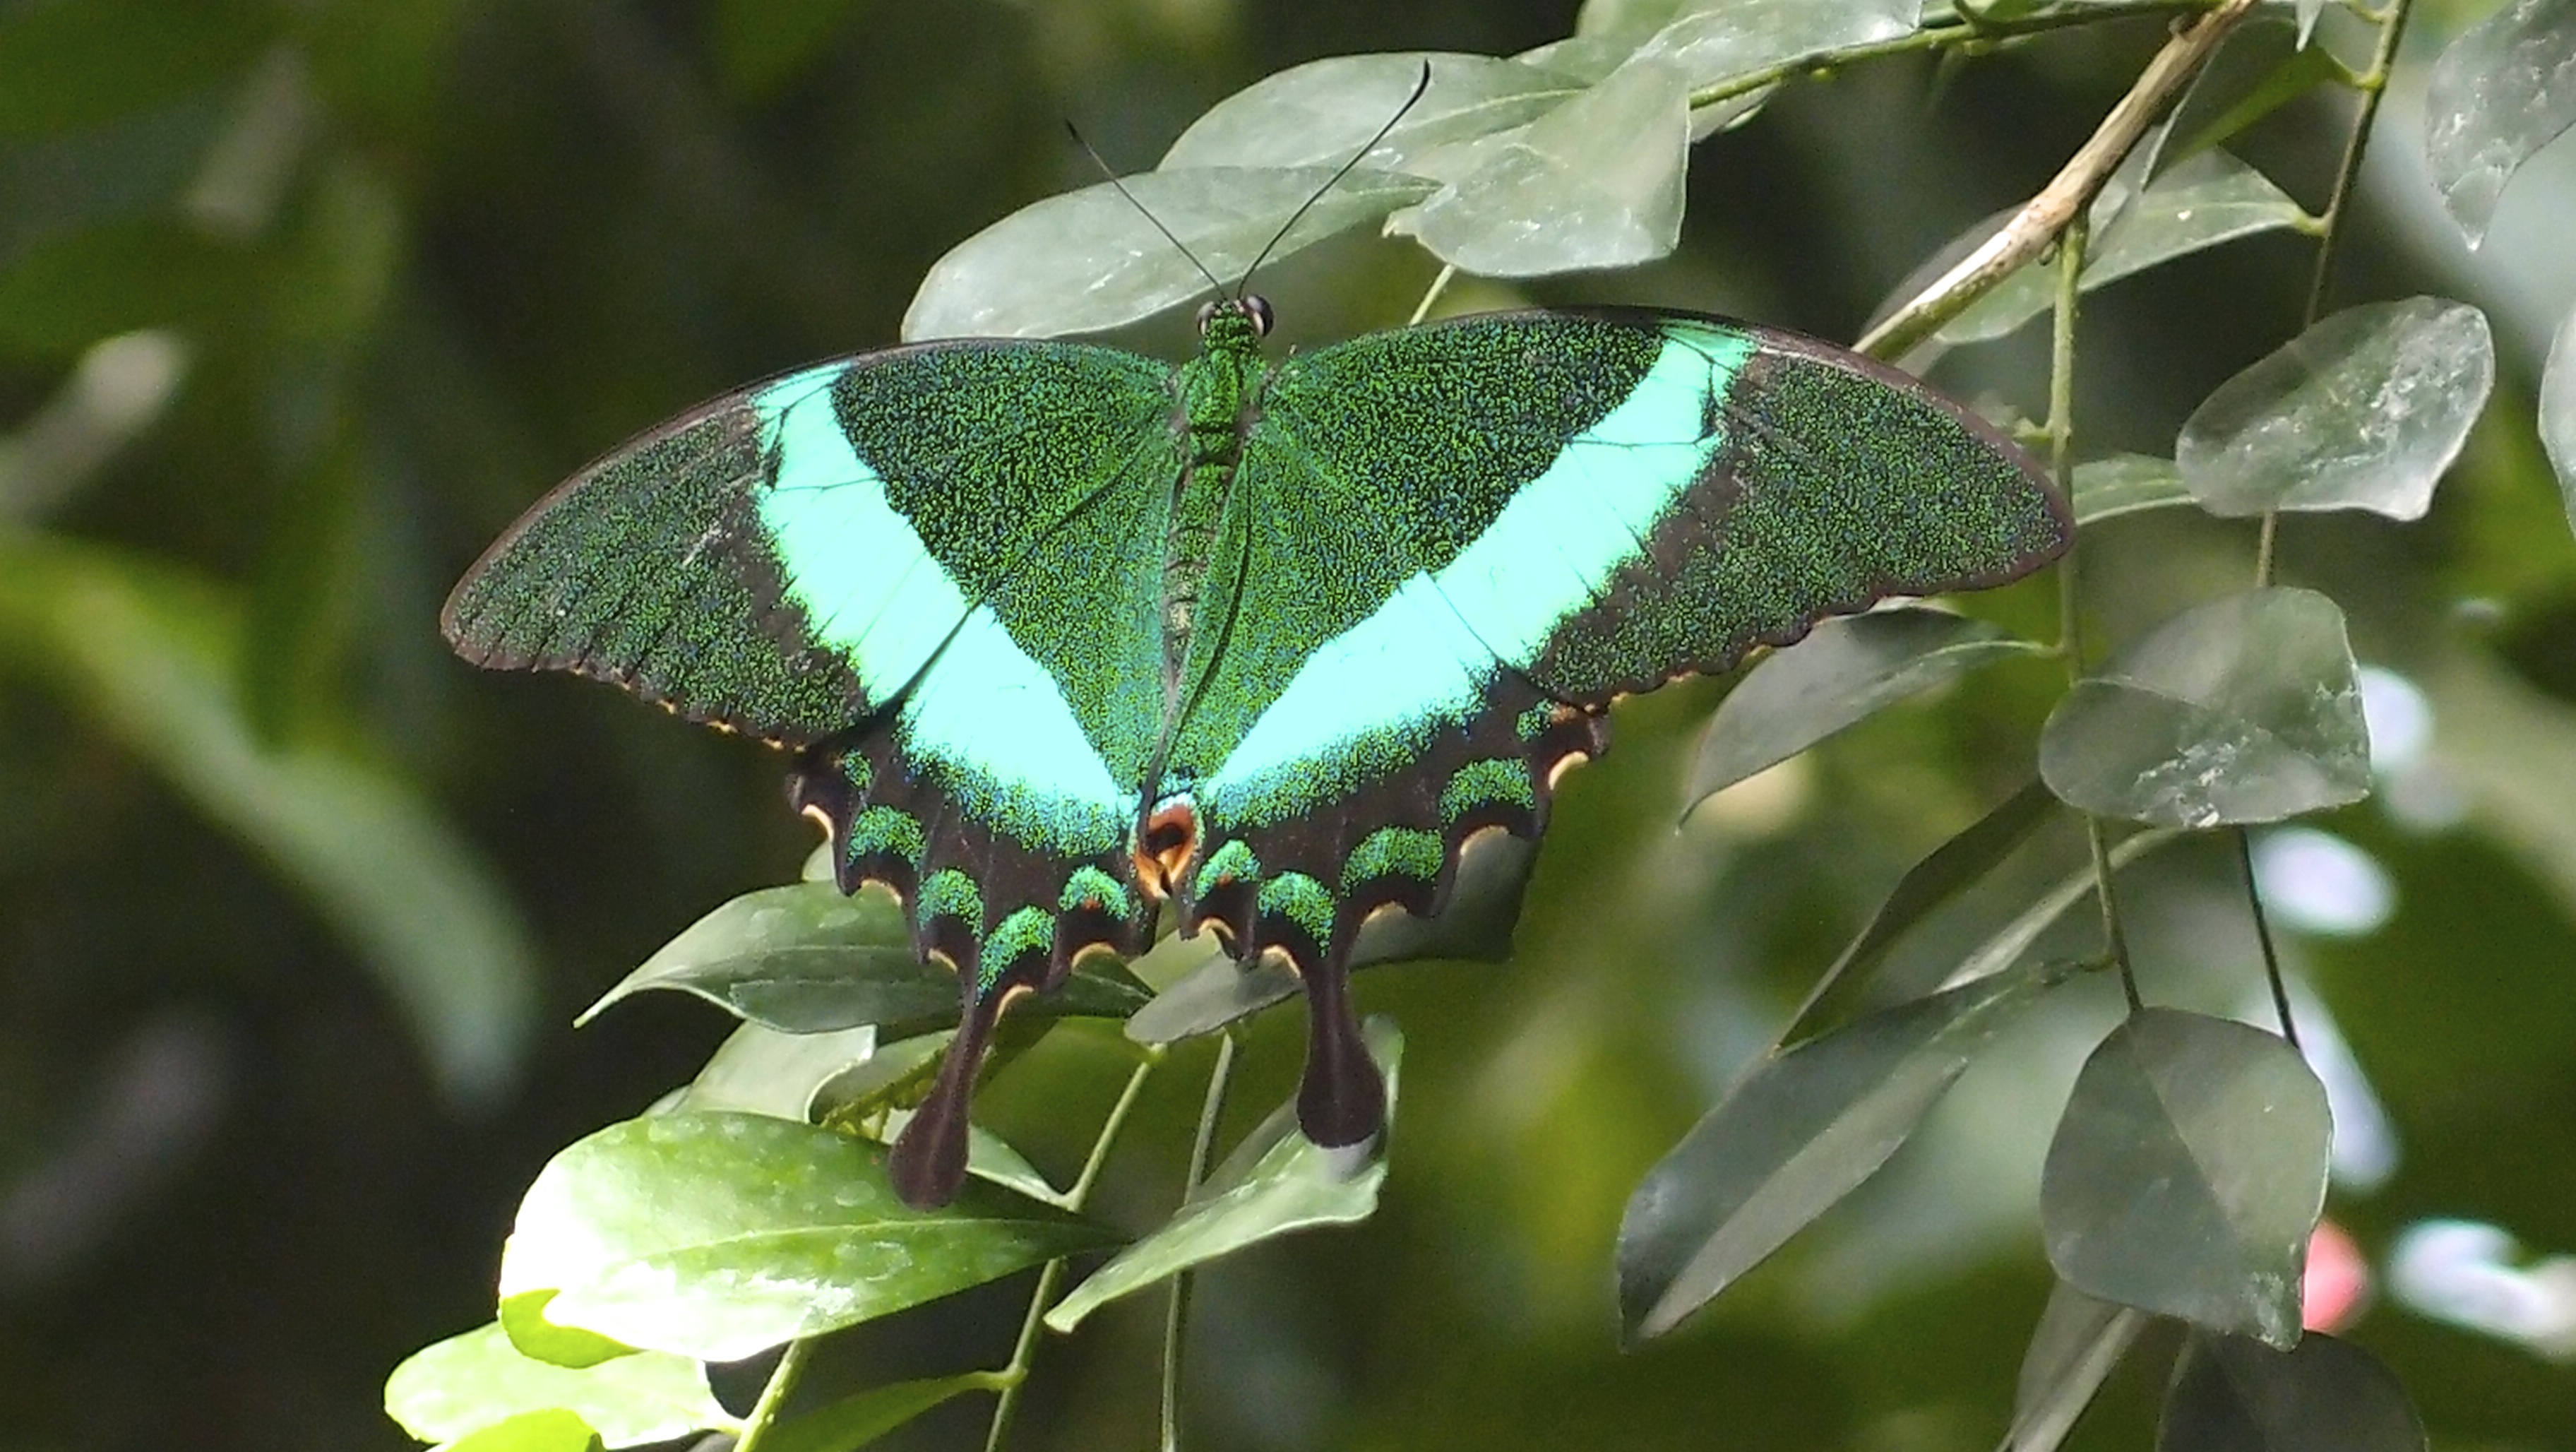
(523, 1320)
(2005, 945)
(2558, 412)
(2075, 1347)
(2325, 1395)
(2125, 484)
(1275, 1182)
(2188, 1173)
(990, 1157)
(2204, 202)
(2502, 91)
(1092, 259)
(803, 959)
(2363, 411)
(1712, 41)
(469, 1382)
(1594, 183)
(2302, 71)
(1795, 1136)
(855, 1421)
(2245, 709)
(759, 1070)
(551, 1430)
(1846, 670)
(2308, 11)
(720, 1235)
(1321, 113)
(152, 656)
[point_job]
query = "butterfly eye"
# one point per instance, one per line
(1207, 311)
(1257, 308)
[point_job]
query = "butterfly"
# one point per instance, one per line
(1060, 635)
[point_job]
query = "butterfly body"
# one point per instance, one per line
(1060, 634)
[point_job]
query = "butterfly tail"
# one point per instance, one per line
(928, 1166)
(1342, 1098)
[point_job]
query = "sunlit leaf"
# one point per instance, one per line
(2324, 1395)
(2188, 1172)
(2363, 411)
(1595, 182)
(804, 959)
(2245, 709)
(2558, 412)
(550, 1430)
(2125, 484)
(759, 1070)
(1321, 113)
(1275, 1182)
(1092, 259)
(2077, 1344)
(469, 1382)
(855, 1421)
(523, 1320)
(1846, 670)
(152, 657)
(720, 1235)
(2502, 91)
(1795, 1136)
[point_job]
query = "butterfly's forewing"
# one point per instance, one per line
(1452, 547)
(935, 572)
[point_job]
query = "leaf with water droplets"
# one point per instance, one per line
(2246, 709)
(2502, 91)
(719, 1235)
(2363, 411)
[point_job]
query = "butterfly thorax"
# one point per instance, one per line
(1216, 406)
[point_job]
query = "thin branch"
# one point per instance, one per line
(1176, 1312)
(782, 1382)
(2263, 935)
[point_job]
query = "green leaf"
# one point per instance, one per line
(1713, 41)
(469, 1382)
(2188, 1172)
(523, 1320)
(990, 1157)
(719, 1235)
(2323, 1396)
(2005, 945)
(551, 1430)
(2075, 1347)
(2363, 411)
(759, 1070)
(2246, 709)
(803, 959)
(2303, 71)
(2558, 412)
(1321, 113)
(1092, 259)
(77, 63)
(2204, 202)
(152, 656)
(1795, 1136)
(1594, 183)
(2502, 91)
(1275, 1182)
(1846, 670)
(2125, 484)
(855, 1421)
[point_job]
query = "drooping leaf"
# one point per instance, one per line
(2077, 1344)
(1322, 112)
(523, 1320)
(855, 1421)
(1794, 1137)
(468, 1382)
(2502, 91)
(803, 959)
(1275, 1182)
(2188, 1172)
(1595, 182)
(2558, 412)
(2324, 1395)
(152, 657)
(1090, 259)
(2125, 484)
(720, 1235)
(2363, 411)
(1846, 670)
(2245, 709)
(550, 1430)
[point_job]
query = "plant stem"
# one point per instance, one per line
(1015, 1376)
(1431, 294)
(2263, 934)
(1176, 1313)
(782, 1382)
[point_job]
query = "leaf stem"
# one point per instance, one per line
(1439, 285)
(1015, 1376)
(2263, 935)
(1176, 1311)
(782, 1382)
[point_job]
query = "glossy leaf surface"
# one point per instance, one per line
(551, 1430)
(2502, 91)
(468, 1382)
(1322, 112)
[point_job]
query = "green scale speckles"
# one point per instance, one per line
(1046, 621)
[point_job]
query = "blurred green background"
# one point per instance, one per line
(300, 304)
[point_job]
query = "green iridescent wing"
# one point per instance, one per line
(1448, 549)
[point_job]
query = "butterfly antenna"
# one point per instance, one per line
(1421, 84)
(1183, 248)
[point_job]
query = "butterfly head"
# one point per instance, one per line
(1244, 319)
